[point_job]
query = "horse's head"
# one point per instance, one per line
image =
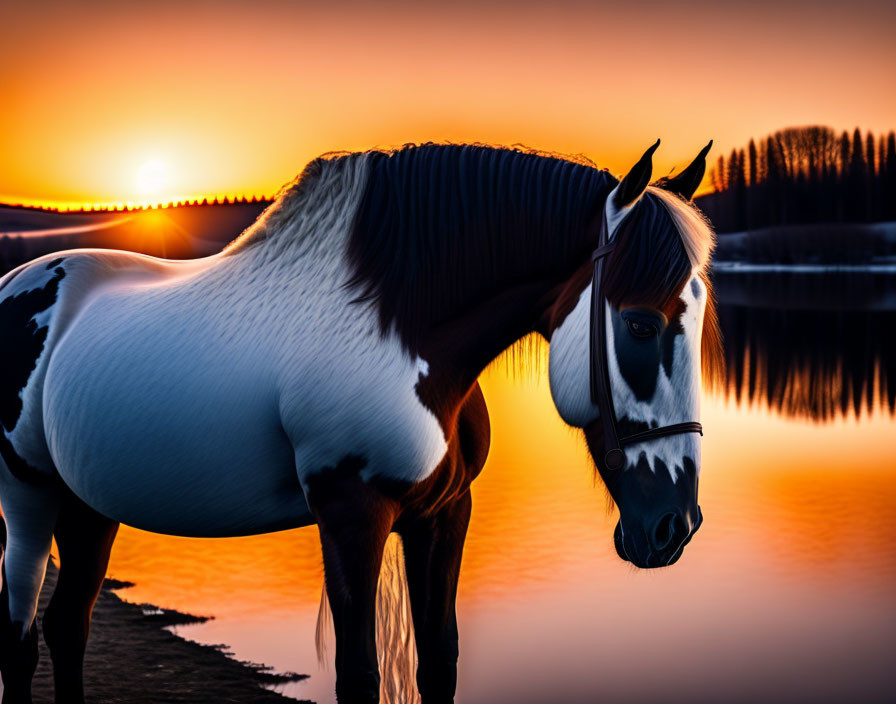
(659, 329)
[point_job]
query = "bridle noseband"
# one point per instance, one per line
(601, 393)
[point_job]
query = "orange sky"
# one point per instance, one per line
(236, 97)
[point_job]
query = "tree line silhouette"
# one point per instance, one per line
(804, 175)
(125, 208)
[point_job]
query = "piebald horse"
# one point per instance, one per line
(322, 369)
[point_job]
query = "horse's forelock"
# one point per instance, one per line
(693, 227)
(649, 265)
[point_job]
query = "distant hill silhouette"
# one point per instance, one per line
(176, 232)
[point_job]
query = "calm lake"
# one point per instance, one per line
(787, 593)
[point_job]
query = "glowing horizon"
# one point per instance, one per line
(236, 99)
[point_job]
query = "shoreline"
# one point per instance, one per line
(133, 657)
(739, 267)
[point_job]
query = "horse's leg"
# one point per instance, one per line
(433, 548)
(354, 520)
(30, 513)
(85, 539)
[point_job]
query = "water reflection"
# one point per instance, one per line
(810, 345)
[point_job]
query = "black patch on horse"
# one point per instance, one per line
(324, 486)
(638, 359)
(442, 227)
(695, 288)
(23, 342)
(56, 262)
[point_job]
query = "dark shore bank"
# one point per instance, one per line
(132, 658)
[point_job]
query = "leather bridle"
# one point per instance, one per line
(601, 393)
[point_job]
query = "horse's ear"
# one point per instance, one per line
(686, 183)
(632, 186)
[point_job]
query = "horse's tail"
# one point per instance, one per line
(394, 629)
(324, 627)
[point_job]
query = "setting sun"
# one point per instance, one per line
(152, 176)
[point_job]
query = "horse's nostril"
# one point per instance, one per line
(665, 530)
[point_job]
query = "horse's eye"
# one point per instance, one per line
(642, 330)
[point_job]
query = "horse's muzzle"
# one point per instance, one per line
(659, 546)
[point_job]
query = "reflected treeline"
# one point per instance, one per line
(810, 346)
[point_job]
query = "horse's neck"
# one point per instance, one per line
(462, 348)
(478, 331)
